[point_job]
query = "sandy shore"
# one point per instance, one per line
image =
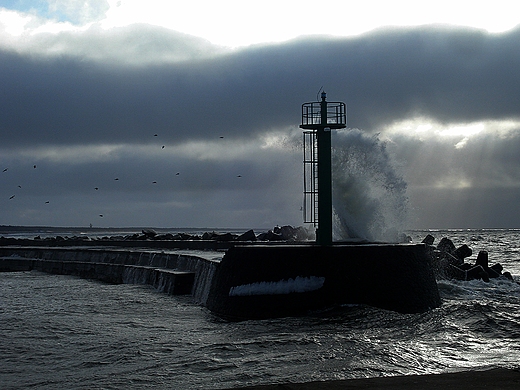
(499, 378)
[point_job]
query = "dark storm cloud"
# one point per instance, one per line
(450, 74)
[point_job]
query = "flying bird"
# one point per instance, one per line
(116, 178)
(96, 188)
(5, 170)
(34, 166)
(47, 202)
(155, 135)
(101, 215)
(221, 136)
(162, 147)
(177, 174)
(11, 197)
(154, 182)
(19, 186)
(239, 175)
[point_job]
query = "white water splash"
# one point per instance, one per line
(297, 285)
(369, 194)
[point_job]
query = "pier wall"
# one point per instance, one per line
(256, 281)
(173, 273)
(266, 281)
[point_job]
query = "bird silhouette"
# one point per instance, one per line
(34, 166)
(19, 186)
(239, 175)
(12, 197)
(96, 188)
(155, 135)
(154, 182)
(5, 170)
(47, 202)
(101, 215)
(116, 178)
(162, 147)
(177, 174)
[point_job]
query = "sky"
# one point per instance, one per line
(165, 114)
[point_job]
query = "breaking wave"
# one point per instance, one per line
(369, 194)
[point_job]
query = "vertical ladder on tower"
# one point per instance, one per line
(310, 177)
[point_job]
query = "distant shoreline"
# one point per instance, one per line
(77, 230)
(11, 229)
(40, 227)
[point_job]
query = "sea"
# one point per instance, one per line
(59, 331)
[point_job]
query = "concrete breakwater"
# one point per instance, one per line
(173, 272)
(254, 281)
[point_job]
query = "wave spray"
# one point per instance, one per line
(369, 195)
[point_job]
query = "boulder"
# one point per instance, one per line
(164, 237)
(247, 236)
(477, 272)
(497, 268)
(288, 233)
(149, 233)
(428, 240)
(218, 236)
(270, 236)
(404, 238)
(446, 250)
(207, 236)
(462, 252)
(483, 259)
(446, 245)
(495, 271)
(187, 237)
(224, 237)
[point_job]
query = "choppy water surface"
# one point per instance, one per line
(65, 332)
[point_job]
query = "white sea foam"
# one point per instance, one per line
(297, 285)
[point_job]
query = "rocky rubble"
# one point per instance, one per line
(284, 233)
(450, 262)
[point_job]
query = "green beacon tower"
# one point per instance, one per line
(318, 119)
